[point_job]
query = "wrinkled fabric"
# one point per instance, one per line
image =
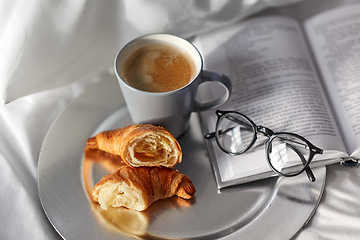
(48, 44)
(338, 214)
(54, 50)
(24, 124)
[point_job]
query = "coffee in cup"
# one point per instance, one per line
(158, 68)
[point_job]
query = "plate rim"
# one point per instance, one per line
(111, 87)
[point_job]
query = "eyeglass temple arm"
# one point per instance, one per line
(308, 171)
(310, 174)
(209, 135)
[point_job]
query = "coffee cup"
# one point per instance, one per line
(159, 76)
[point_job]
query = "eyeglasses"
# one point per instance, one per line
(288, 154)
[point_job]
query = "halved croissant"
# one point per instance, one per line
(138, 188)
(140, 145)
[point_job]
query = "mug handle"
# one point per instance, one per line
(224, 81)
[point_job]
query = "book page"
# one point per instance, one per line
(335, 40)
(274, 83)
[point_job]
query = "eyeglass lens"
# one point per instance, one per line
(234, 133)
(286, 150)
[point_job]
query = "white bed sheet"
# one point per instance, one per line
(44, 92)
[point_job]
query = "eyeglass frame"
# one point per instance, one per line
(313, 150)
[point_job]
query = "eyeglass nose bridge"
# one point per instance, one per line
(264, 130)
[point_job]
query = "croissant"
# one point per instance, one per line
(140, 145)
(137, 188)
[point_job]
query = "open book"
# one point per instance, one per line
(287, 76)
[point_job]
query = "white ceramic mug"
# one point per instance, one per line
(172, 109)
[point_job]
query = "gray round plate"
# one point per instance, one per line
(274, 208)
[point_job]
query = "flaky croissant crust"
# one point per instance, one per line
(138, 188)
(140, 145)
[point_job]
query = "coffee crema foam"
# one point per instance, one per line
(158, 68)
